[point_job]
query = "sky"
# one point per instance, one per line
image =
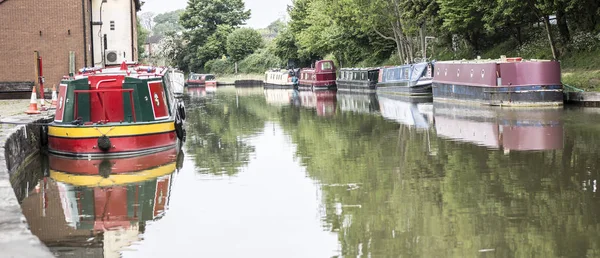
(263, 11)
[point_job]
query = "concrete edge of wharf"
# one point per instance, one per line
(588, 99)
(20, 139)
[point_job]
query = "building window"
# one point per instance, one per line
(112, 25)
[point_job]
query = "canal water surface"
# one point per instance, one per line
(281, 173)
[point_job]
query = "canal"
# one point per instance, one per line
(272, 173)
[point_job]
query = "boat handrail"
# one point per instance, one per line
(130, 91)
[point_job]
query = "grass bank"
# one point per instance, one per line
(582, 70)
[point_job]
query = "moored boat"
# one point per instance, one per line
(408, 80)
(321, 77)
(358, 79)
(279, 79)
(503, 82)
(200, 80)
(116, 111)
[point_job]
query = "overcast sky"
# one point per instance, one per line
(263, 11)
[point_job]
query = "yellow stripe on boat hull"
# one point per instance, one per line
(108, 130)
(112, 180)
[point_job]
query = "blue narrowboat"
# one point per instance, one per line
(410, 79)
(358, 79)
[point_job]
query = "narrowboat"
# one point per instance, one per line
(358, 102)
(321, 77)
(279, 79)
(116, 111)
(358, 79)
(518, 129)
(502, 82)
(324, 101)
(411, 113)
(408, 80)
(200, 80)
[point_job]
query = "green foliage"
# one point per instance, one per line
(207, 25)
(142, 35)
(166, 23)
(219, 66)
(243, 42)
(259, 62)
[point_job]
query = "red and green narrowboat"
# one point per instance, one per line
(114, 112)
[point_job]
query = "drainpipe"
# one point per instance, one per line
(92, 32)
(85, 60)
(132, 12)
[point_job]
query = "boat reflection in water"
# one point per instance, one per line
(414, 112)
(100, 207)
(249, 91)
(279, 97)
(324, 101)
(358, 102)
(196, 91)
(495, 128)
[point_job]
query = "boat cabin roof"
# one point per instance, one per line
(321, 66)
(358, 69)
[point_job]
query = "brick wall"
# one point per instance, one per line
(30, 25)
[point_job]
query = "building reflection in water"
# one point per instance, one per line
(495, 127)
(96, 208)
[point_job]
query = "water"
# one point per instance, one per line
(279, 173)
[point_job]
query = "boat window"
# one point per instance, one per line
(210, 77)
(326, 66)
(405, 73)
(362, 76)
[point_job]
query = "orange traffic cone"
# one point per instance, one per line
(54, 98)
(33, 109)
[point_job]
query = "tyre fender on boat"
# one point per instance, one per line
(181, 110)
(179, 129)
(104, 143)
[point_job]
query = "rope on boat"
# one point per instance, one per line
(569, 88)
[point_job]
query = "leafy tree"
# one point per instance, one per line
(207, 24)
(243, 42)
(168, 22)
(142, 35)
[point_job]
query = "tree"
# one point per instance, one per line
(142, 35)
(243, 42)
(167, 22)
(146, 20)
(206, 22)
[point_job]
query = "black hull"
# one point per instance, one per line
(317, 88)
(405, 89)
(196, 85)
(358, 86)
(515, 96)
(406, 98)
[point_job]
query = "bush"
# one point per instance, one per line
(259, 62)
(219, 66)
(585, 42)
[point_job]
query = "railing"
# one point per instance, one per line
(130, 91)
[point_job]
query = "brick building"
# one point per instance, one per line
(91, 30)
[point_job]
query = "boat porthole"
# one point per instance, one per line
(482, 73)
(438, 72)
(471, 73)
(446, 72)
(458, 73)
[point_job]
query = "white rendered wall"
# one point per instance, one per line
(119, 39)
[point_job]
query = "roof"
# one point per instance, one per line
(138, 5)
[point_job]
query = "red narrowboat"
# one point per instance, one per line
(321, 77)
(200, 80)
(502, 82)
(118, 111)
